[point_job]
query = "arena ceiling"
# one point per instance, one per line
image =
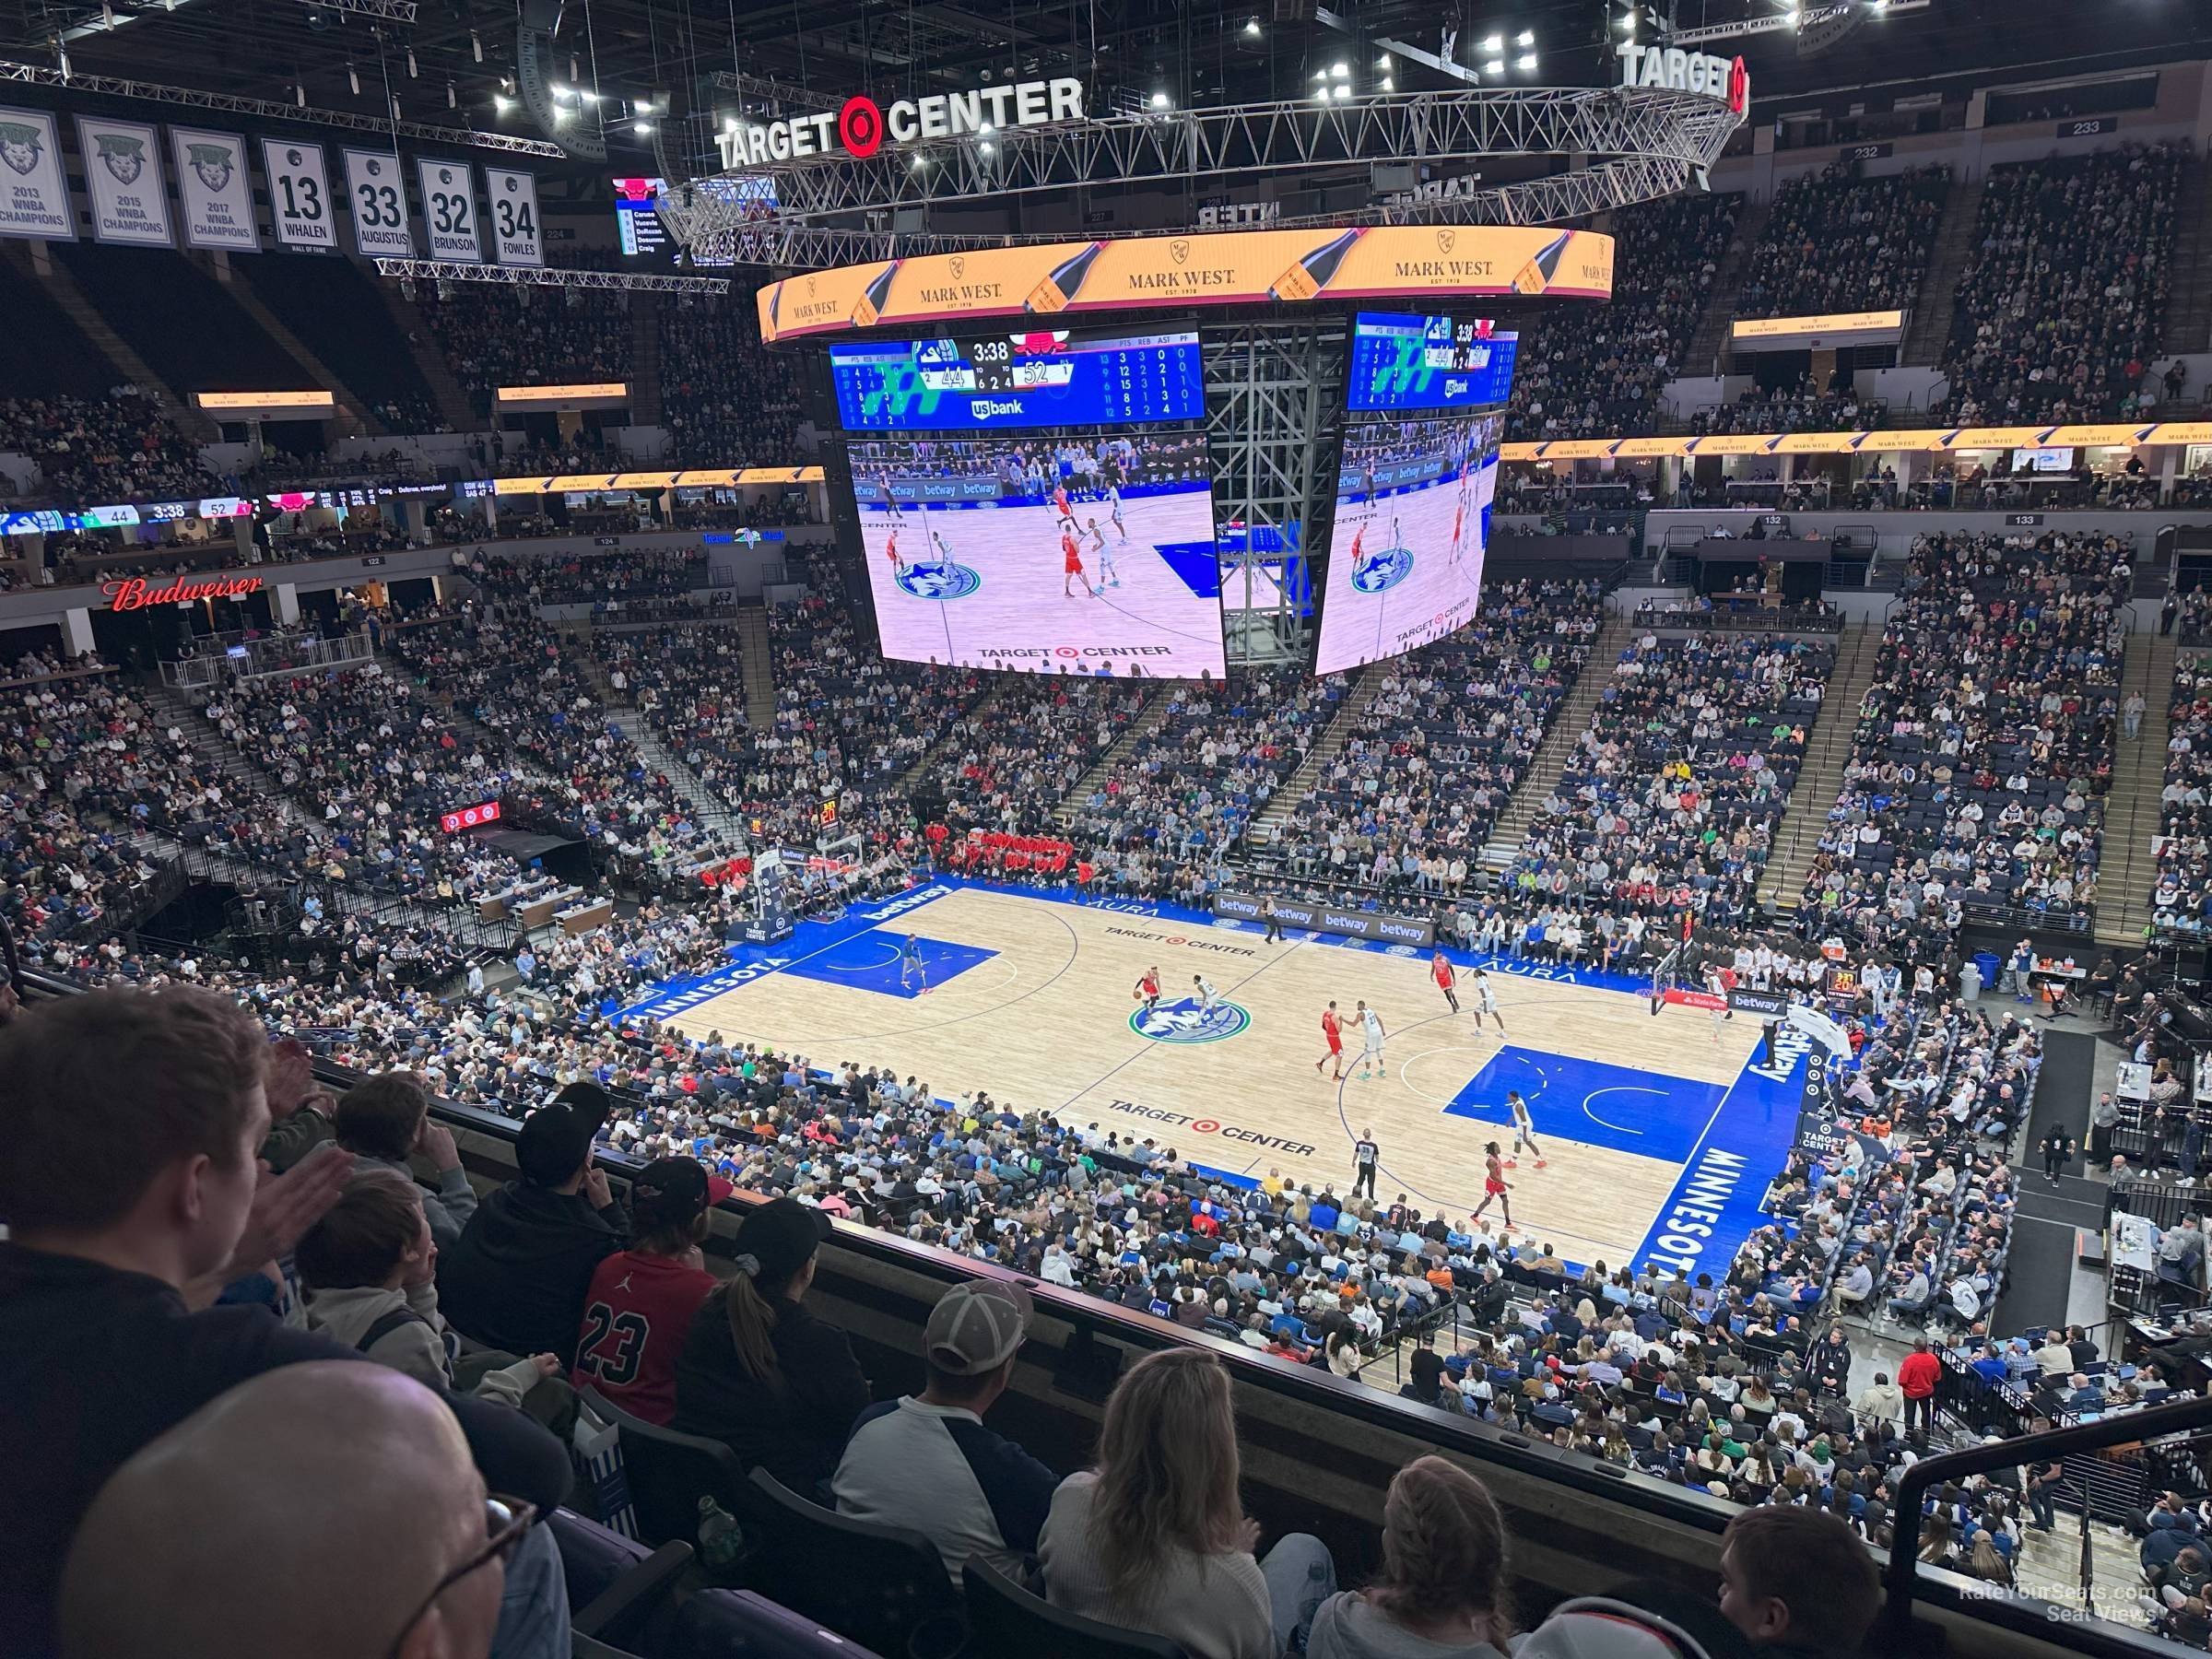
(454, 63)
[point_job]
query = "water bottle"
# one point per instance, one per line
(720, 1538)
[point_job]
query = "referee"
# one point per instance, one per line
(1275, 925)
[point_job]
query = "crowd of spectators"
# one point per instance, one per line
(1803, 407)
(1592, 376)
(2181, 896)
(1670, 798)
(725, 399)
(1838, 241)
(496, 336)
(2059, 315)
(1009, 761)
(1984, 748)
(95, 452)
(597, 578)
(1432, 757)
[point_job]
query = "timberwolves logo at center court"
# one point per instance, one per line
(1183, 1022)
(1383, 569)
(947, 580)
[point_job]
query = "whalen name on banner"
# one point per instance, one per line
(860, 128)
(133, 593)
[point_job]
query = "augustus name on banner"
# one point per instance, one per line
(515, 236)
(34, 199)
(216, 190)
(378, 196)
(123, 172)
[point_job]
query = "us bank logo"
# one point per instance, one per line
(1380, 571)
(939, 580)
(1183, 1022)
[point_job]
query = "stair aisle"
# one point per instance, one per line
(1326, 748)
(623, 713)
(957, 736)
(353, 420)
(756, 656)
(1820, 778)
(1568, 721)
(1705, 353)
(1931, 322)
(2128, 868)
(1148, 721)
(2189, 306)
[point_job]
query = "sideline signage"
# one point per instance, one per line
(1320, 917)
(1676, 70)
(859, 128)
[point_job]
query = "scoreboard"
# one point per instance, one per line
(1046, 378)
(1429, 362)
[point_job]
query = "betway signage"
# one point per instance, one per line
(1679, 71)
(859, 129)
(1320, 918)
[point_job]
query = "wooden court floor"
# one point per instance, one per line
(1031, 1000)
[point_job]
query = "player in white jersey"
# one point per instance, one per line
(1397, 537)
(1103, 557)
(1370, 1034)
(1113, 510)
(1206, 994)
(1524, 1130)
(1485, 998)
(943, 553)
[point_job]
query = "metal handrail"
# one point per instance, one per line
(1900, 1575)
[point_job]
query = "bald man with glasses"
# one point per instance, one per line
(328, 1509)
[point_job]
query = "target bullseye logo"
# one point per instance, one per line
(1065, 651)
(860, 126)
(1207, 1126)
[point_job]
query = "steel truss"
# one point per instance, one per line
(451, 270)
(1274, 397)
(109, 85)
(1654, 142)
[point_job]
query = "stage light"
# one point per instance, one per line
(452, 98)
(1527, 37)
(353, 79)
(412, 72)
(1493, 44)
(475, 45)
(987, 147)
(920, 162)
(1159, 100)
(1389, 85)
(1320, 75)
(1383, 62)
(502, 102)
(1526, 62)
(588, 96)
(562, 112)
(299, 96)
(1341, 71)
(643, 129)
(1251, 28)
(1495, 66)
(1341, 90)
(561, 92)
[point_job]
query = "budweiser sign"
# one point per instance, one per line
(132, 593)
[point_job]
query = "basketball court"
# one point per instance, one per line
(1659, 1131)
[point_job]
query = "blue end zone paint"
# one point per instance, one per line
(1714, 1206)
(1648, 1113)
(869, 961)
(1196, 563)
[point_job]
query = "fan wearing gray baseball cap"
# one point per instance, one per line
(926, 1461)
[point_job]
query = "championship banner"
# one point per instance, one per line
(1223, 267)
(448, 210)
(215, 190)
(299, 202)
(122, 174)
(34, 197)
(514, 234)
(377, 196)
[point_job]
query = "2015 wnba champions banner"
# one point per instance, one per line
(127, 183)
(1225, 267)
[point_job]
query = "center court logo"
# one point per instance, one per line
(938, 580)
(1183, 1022)
(1383, 569)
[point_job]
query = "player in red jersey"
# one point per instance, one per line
(1147, 989)
(1445, 977)
(1333, 1028)
(1072, 557)
(1062, 506)
(1494, 1186)
(640, 1303)
(891, 551)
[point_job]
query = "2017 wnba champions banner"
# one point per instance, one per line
(1225, 267)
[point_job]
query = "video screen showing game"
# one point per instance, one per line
(1087, 553)
(1411, 523)
(1054, 378)
(1428, 362)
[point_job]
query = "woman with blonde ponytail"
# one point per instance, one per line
(1441, 1593)
(758, 1371)
(1155, 1537)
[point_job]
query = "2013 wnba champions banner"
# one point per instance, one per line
(1223, 267)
